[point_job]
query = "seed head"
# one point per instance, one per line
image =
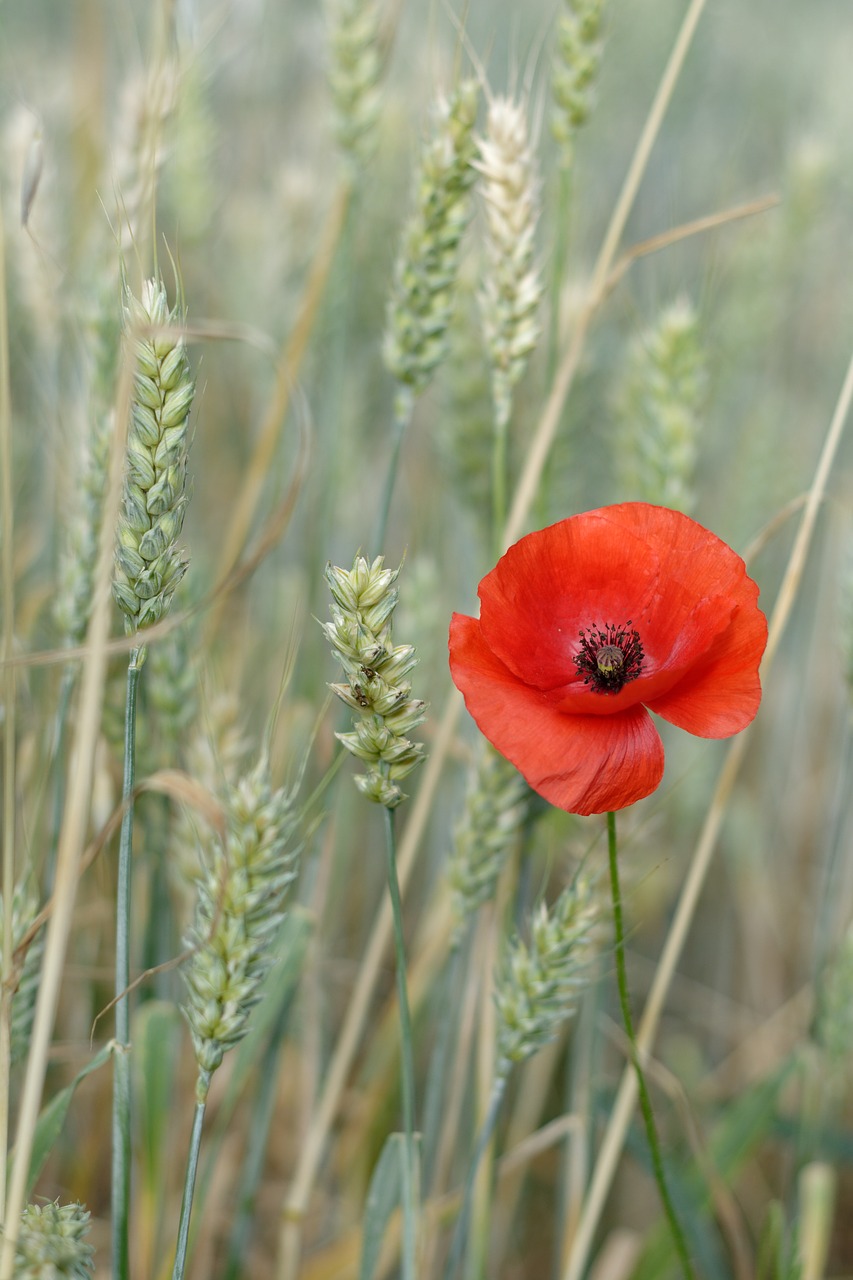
(148, 563)
(576, 63)
(148, 101)
(512, 287)
(538, 982)
(660, 405)
(377, 688)
(354, 72)
(496, 806)
(240, 905)
(86, 488)
(26, 973)
(51, 1243)
(424, 289)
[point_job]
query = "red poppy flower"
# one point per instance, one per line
(585, 625)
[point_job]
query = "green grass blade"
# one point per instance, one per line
(52, 1117)
(383, 1197)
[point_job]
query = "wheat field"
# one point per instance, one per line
(309, 313)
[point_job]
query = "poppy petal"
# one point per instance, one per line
(701, 583)
(583, 764)
(721, 693)
(579, 572)
(676, 582)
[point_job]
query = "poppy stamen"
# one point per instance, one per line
(610, 657)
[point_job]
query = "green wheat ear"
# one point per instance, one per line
(424, 290)
(377, 689)
(495, 808)
(148, 562)
(241, 891)
(52, 1243)
(26, 974)
(355, 67)
(579, 47)
(538, 982)
(82, 519)
(660, 404)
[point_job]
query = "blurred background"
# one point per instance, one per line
(208, 132)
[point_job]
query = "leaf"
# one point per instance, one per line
(154, 1036)
(52, 1118)
(383, 1197)
(739, 1131)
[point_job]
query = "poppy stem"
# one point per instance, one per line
(410, 1179)
(645, 1102)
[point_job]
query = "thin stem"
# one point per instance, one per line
(460, 1234)
(459, 1013)
(437, 1102)
(500, 450)
(645, 1101)
(407, 1067)
(648, 137)
(189, 1181)
(487, 1069)
(157, 943)
(121, 1068)
(561, 243)
(9, 709)
(66, 688)
(404, 404)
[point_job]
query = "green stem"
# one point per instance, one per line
(645, 1101)
(189, 1181)
(410, 1173)
(500, 449)
(10, 745)
(561, 244)
(460, 1234)
(66, 688)
(157, 944)
(446, 1035)
(403, 406)
(121, 1061)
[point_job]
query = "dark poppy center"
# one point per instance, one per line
(609, 657)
